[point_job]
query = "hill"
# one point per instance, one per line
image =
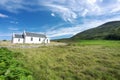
(109, 31)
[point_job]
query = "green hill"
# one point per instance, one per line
(109, 31)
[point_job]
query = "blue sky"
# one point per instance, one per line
(56, 18)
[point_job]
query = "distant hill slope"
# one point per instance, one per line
(109, 30)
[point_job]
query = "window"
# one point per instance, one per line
(39, 39)
(18, 40)
(31, 39)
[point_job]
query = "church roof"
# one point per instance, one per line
(29, 34)
(35, 35)
(18, 36)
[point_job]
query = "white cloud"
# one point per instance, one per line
(67, 14)
(85, 12)
(52, 14)
(70, 10)
(16, 6)
(13, 29)
(11, 5)
(72, 30)
(3, 15)
(89, 23)
(5, 34)
(14, 22)
(116, 8)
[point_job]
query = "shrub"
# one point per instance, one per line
(11, 68)
(4, 40)
(113, 37)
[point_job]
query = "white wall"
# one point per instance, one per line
(35, 40)
(47, 40)
(17, 40)
(28, 40)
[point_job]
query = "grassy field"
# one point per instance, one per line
(81, 60)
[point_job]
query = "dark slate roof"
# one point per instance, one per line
(35, 35)
(18, 36)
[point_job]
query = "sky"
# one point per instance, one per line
(55, 18)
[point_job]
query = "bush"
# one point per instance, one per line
(4, 40)
(113, 37)
(11, 68)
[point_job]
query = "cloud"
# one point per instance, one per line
(67, 14)
(14, 22)
(3, 15)
(11, 5)
(90, 13)
(89, 23)
(5, 34)
(70, 10)
(64, 31)
(52, 14)
(13, 29)
(16, 6)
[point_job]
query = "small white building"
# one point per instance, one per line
(28, 37)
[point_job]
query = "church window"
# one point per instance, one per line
(39, 39)
(31, 39)
(18, 40)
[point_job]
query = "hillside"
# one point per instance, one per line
(109, 30)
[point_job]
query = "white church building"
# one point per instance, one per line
(30, 38)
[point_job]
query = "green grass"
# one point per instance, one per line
(97, 42)
(81, 60)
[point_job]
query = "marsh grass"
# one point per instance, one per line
(81, 60)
